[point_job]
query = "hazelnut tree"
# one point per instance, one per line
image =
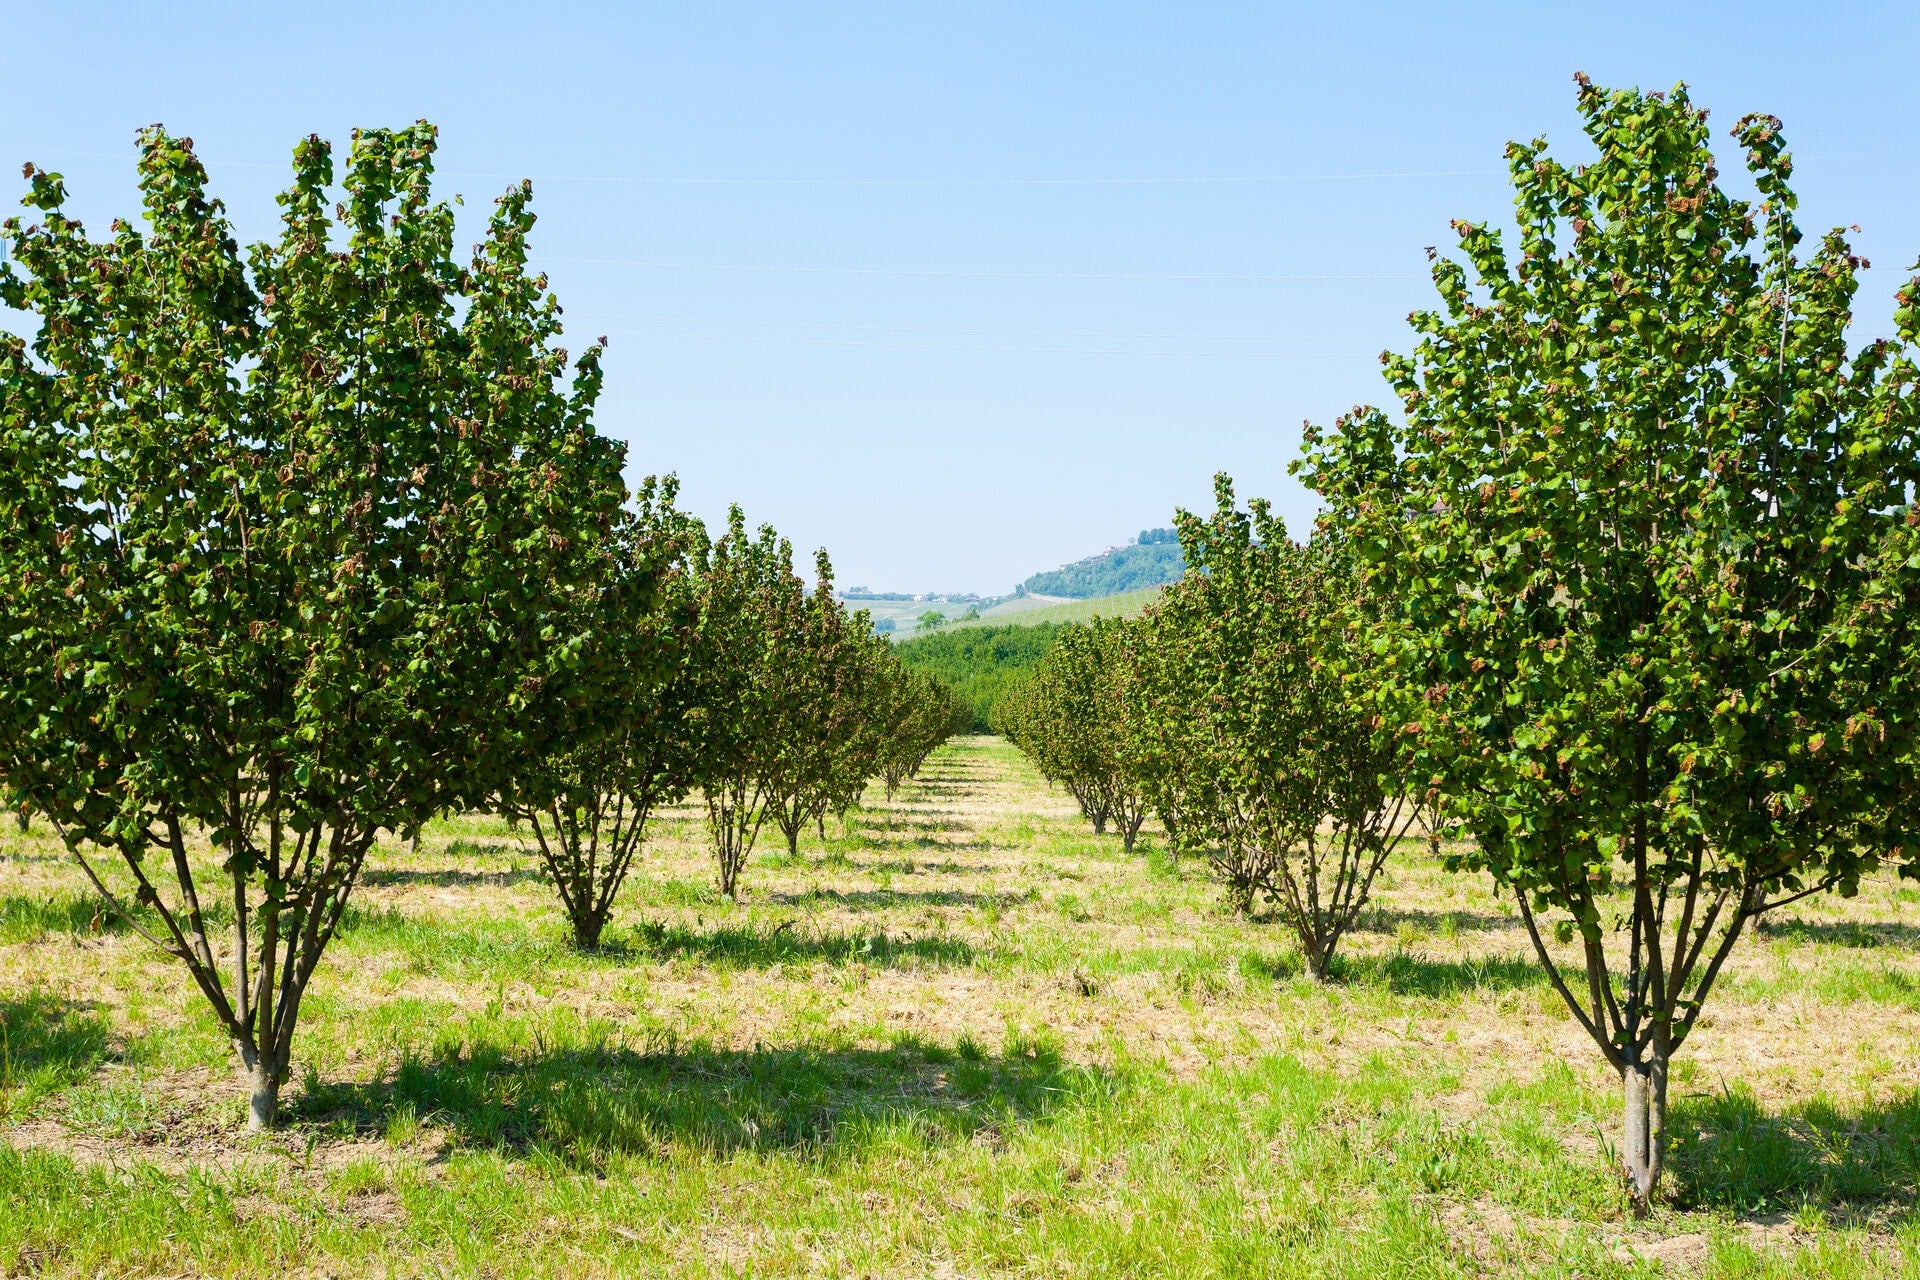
(1646, 545)
(1069, 715)
(1260, 706)
(608, 741)
(280, 533)
(751, 607)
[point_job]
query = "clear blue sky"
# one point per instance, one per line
(991, 365)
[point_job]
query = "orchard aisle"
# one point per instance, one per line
(960, 1036)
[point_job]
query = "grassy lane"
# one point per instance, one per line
(959, 1037)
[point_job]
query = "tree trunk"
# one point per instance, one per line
(731, 839)
(263, 1093)
(586, 932)
(1644, 1098)
(1239, 894)
(1318, 955)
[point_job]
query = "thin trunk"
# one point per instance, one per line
(586, 931)
(1318, 955)
(261, 1029)
(241, 991)
(728, 818)
(263, 1092)
(1643, 1136)
(1237, 870)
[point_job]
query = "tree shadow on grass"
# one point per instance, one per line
(909, 818)
(1407, 974)
(936, 787)
(1727, 1151)
(943, 817)
(948, 867)
(585, 1104)
(842, 859)
(879, 899)
(1865, 934)
(751, 947)
(46, 1044)
(909, 841)
(455, 879)
(1384, 919)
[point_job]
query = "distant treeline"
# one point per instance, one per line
(1152, 562)
(978, 662)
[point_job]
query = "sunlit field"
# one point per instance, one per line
(960, 1036)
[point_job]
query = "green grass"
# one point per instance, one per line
(578, 1154)
(960, 1036)
(1124, 605)
(46, 1044)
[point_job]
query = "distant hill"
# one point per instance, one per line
(1120, 581)
(1153, 560)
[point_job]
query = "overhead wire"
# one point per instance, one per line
(976, 275)
(700, 180)
(1089, 180)
(938, 346)
(1008, 333)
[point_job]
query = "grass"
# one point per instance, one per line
(962, 1037)
(1124, 605)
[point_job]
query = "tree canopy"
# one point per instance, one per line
(1646, 526)
(979, 662)
(1255, 716)
(281, 536)
(609, 738)
(826, 743)
(1069, 714)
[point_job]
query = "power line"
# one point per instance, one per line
(1147, 180)
(1056, 351)
(1006, 333)
(1254, 179)
(1144, 181)
(671, 180)
(961, 275)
